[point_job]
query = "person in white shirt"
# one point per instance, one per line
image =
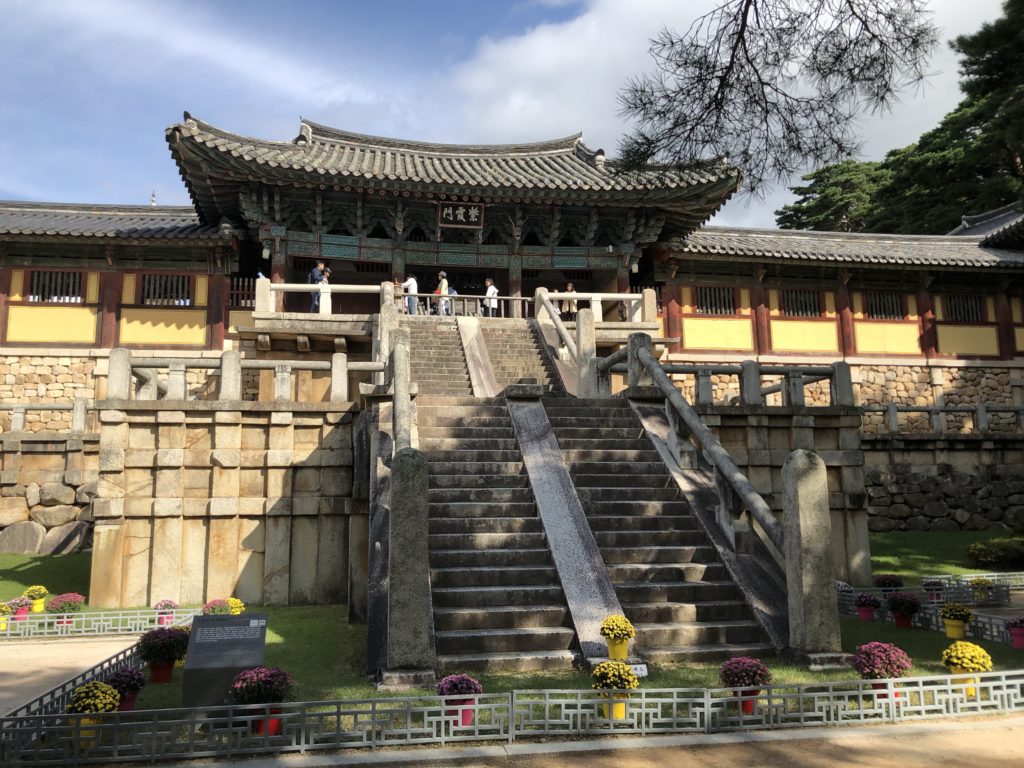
(491, 300)
(442, 291)
(410, 288)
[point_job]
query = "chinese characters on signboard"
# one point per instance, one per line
(463, 215)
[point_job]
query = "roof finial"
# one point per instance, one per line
(152, 198)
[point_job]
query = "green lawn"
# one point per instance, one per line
(916, 554)
(58, 573)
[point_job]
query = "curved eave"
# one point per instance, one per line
(752, 255)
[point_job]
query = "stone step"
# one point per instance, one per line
(591, 494)
(500, 617)
(637, 508)
(464, 480)
(559, 423)
(508, 468)
(465, 401)
(470, 444)
(441, 418)
(676, 592)
(645, 538)
(629, 555)
(504, 432)
(447, 541)
(678, 634)
(491, 576)
(580, 432)
(521, 495)
(534, 661)
(649, 523)
(574, 455)
(668, 613)
(506, 595)
(495, 558)
(441, 389)
(572, 444)
(472, 525)
(659, 573)
(626, 479)
(706, 653)
(604, 404)
(451, 455)
(505, 640)
(615, 468)
(470, 510)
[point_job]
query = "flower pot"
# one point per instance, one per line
(903, 621)
(164, 619)
(268, 726)
(87, 735)
(38, 606)
(885, 692)
(161, 671)
(21, 614)
(464, 714)
(955, 629)
(865, 613)
(967, 682)
(617, 649)
(617, 709)
(1017, 637)
(934, 597)
(748, 698)
(65, 621)
(3, 624)
(981, 595)
(127, 702)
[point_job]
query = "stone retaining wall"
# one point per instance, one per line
(46, 490)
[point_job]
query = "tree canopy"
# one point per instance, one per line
(773, 86)
(838, 198)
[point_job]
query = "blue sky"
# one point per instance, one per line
(89, 86)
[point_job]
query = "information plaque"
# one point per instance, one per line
(219, 647)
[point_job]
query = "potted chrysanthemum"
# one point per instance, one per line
(64, 606)
(955, 616)
(888, 581)
(5, 611)
(464, 687)
(218, 607)
(617, 631)
(20, 606)
(263, 685)
(933, 589)
(1015, 627)
(747, 676)
(962, 657)
(127, 681)
(904, 605)
(614, 678)
(982, 589)
(37, 594)
(91, 698)
(165, 612)
(160, 648)
(866, 604)
(881, 661)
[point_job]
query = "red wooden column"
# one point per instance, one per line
(217, 310)
(1004, 317)
(110, 304)
(762, 339)
(929, 336)
(672, 313)
(847, 340)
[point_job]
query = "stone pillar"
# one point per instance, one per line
(230, 387)
(410, 608)
(539, 311)
(810, 573)
(119, 374)
(282, 382)
(176, 387)
(402, 413)
(586, 356)
(638, 374)
(324, 308)
(339, 378)
(79, 414)
(750, 383)
(842, 384)
(649, 306)
(387, 322)
(264, 297)
(387, 294)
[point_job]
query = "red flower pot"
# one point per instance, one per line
(161, 671)
(127, 703)
(268, 726)
(21, 614)
(885, 693)
(165, 619)
(748, 698)
(903, 621)
(1017, 637)
(464, 714)
(865, 613)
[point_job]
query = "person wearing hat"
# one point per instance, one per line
(442, 289)
(318, 275)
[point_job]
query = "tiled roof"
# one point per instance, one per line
(1009, 235)
(133, 222)
(842, 248)
(986, 223)
(558, 170)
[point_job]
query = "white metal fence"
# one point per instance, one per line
(120, 622)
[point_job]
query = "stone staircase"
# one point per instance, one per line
(436, 357)
(666, 573)
(517, 356)
(497, 600)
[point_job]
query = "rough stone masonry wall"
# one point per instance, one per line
(193, 504)
(46, 490)
(942, 485)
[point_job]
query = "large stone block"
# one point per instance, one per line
(65, 539)
(53, 494)
(24, 538)
(167, 557)
(304, 550)
(13, 509)
(51, 517)
(332, 561)
(107, 562)
(194, 534)
(276, 559)
(32, 494)
(138, 534)
(222, 559)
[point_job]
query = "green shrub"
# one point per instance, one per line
(1003, 553)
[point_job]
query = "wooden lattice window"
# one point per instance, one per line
(962, 308)
(166, 291)
(56, 287)
(243, 292)
(712, 300)
(801, 302)
(373, 267)
(885, 305)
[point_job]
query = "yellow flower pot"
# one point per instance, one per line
(614, 711)
(87, 736)
(38, 606)
(3, 624)
(969, 690)
(955, 629)
(618, 649)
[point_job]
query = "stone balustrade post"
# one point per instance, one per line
(539, 311)
(638, 374)
(18, 418)
(750, 383)
(387, 293)
(282, 382)
(79, 414)
(586, 356)
(649, 306)
(324, 308)
(981, 417)
(339, 377)
(402, 408)
(704, 390)
(264, 296)
(387, 323)
(230, 387)
(119, 374)
(892, 419)
(176, 383)
(842, 384)
(794, 388)
(597, 309)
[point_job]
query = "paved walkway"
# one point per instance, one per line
(32, 667)
(996, 742)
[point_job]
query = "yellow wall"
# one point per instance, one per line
(201, 289)
(717, 333)
(92, 288)
(968, 340)
(17, 284)
(163, 326)
(1015, 310)
(1018, 334)
(244, 318)
(804, 336)
(128, 290)
(887, 338)
(51, 324)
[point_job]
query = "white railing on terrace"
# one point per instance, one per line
(635, 311)
(265, 290)
(121, 622)
(1013, 581)
(469, 305)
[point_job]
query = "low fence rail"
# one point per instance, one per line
(229, 731)
(90, 623)
(980, 418)
(980, 627)
(1011, 581)
(940, 594)
(467, 305)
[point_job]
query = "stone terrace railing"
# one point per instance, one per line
(978, 419)
(266, 301)
(466, 305)
(79, 413)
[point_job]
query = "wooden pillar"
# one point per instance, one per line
(929, 336)
(672, 314)
(847, 340)
(5, 292)
(277, 266)
(762, 338)
(1004, 317)
(217, 310)
(110, 304)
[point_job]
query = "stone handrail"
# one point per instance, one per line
(79, 410)
(978, 413)
(641, 306)
(265, 290)
(641, 360)
(541, 305)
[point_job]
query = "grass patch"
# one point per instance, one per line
(924, 553)
(58, 573)
(326, 655)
